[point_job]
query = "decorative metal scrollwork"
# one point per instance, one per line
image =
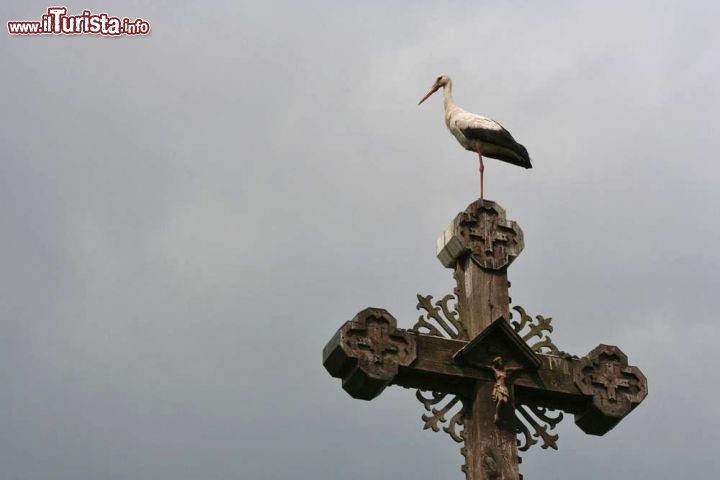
(533, 424)
(541, 422)
(445, 318)
(454, 426)
(538, 328)
(442, 319)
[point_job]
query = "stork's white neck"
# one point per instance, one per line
(447, 96)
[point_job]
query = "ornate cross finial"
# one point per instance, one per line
(483, 231)
(616, 388)
(367, 352)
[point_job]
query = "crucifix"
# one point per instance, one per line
(507, 383)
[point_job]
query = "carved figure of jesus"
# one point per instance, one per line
(501, 390)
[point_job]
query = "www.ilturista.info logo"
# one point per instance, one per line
(57, 22)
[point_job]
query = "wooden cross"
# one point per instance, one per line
(506, 375)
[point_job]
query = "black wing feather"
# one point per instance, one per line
(505, 146)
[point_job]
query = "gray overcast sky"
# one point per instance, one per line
(186, 218)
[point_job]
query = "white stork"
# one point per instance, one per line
(478, 134)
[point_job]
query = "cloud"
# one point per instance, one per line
(189, 216)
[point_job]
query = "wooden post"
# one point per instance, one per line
(483, 295)
(480, 244)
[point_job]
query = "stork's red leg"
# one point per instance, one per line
(482, 171)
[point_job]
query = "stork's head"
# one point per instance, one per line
(441, 81)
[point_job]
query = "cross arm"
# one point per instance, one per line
(552, 385)
(369, 353)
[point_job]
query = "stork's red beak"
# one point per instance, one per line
(432, 90)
